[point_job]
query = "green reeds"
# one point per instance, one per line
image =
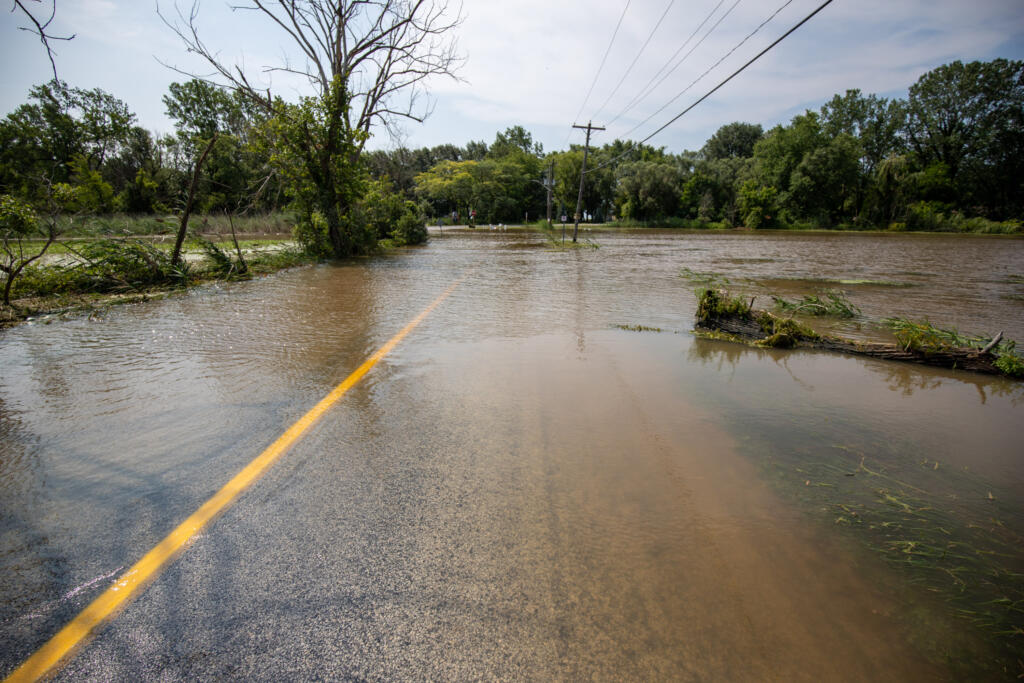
(925, 338)
(831, 302)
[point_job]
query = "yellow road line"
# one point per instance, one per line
(50, 655)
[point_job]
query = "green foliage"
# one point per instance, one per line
(647, 190)
(1010, 364)
(118, 265)
(733, 141)
(317, 156)
(968, 118)
(832, 303)
(219, 261)
(17, 218)
(923, 337)
(514, 140)
(311, 234)
(501, 189)
(41, 139)
(411, 228)
(713, 303)
(707, 280)
(758, 205)
(392, 217)
(94, 195)
(784, 333)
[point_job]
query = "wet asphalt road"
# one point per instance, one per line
(518, 492)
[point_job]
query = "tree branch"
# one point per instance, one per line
(40, 30)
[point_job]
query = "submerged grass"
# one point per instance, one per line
(704, 278)
(108, 271)
(941, 526)
(638, 328)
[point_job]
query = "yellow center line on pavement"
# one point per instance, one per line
(60, 646)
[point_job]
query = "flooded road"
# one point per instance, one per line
(522, 490)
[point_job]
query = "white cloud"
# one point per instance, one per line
(530, 62)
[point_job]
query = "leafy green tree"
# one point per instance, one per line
(369, 62)
(758, 205)
(970, 117)
(391, 216)
(448, 186)
(876, 123)
(40, 139)
(22, 226)
(318, 158)
(782, 149)
(825, 183)
(236, 170)
(475, 151)
(733, 141)
(648, 190)
(514, 139)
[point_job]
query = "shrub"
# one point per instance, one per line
(311, 234)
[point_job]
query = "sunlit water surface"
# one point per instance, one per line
(116, 426)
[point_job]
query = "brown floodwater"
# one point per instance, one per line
(523, 489)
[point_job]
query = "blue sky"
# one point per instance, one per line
(531, 62)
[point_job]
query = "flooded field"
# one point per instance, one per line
(524, 489)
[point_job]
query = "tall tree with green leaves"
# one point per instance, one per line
(733, 141)
(42, 138)
(368, 63)
(970, 118)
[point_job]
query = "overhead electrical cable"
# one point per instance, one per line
(710, 68)
(709, 93)
(603, 60)
(640, 94)
(635, 59)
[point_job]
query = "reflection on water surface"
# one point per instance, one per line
(114, 428)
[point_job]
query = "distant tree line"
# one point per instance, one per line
(948, 156)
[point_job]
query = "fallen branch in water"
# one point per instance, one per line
(719, 312)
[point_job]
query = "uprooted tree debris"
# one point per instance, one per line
(735, 318)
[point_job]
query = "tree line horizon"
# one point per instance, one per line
(949, 156)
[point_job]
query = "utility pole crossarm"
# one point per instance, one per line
(583, 171)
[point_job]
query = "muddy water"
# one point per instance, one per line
(572, 500)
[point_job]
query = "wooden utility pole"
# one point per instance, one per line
(583, 171)
(550, 185)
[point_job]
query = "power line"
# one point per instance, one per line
(642, 93)
(603, 60)
(709, 93)
(638, 55)
(711, 68)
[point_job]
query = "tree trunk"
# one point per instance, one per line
(183, 227)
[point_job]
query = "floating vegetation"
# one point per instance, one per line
(639, 328)
(831, 302)
(942, 526)
(918, 342)
(954, 538)
(1013, 297)
(706, 279)
(846, 282)
(1015, 279)
(925, 338)
(874, 283)
(741, 261)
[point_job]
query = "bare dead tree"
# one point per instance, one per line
(41, 27)
(383, 52)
